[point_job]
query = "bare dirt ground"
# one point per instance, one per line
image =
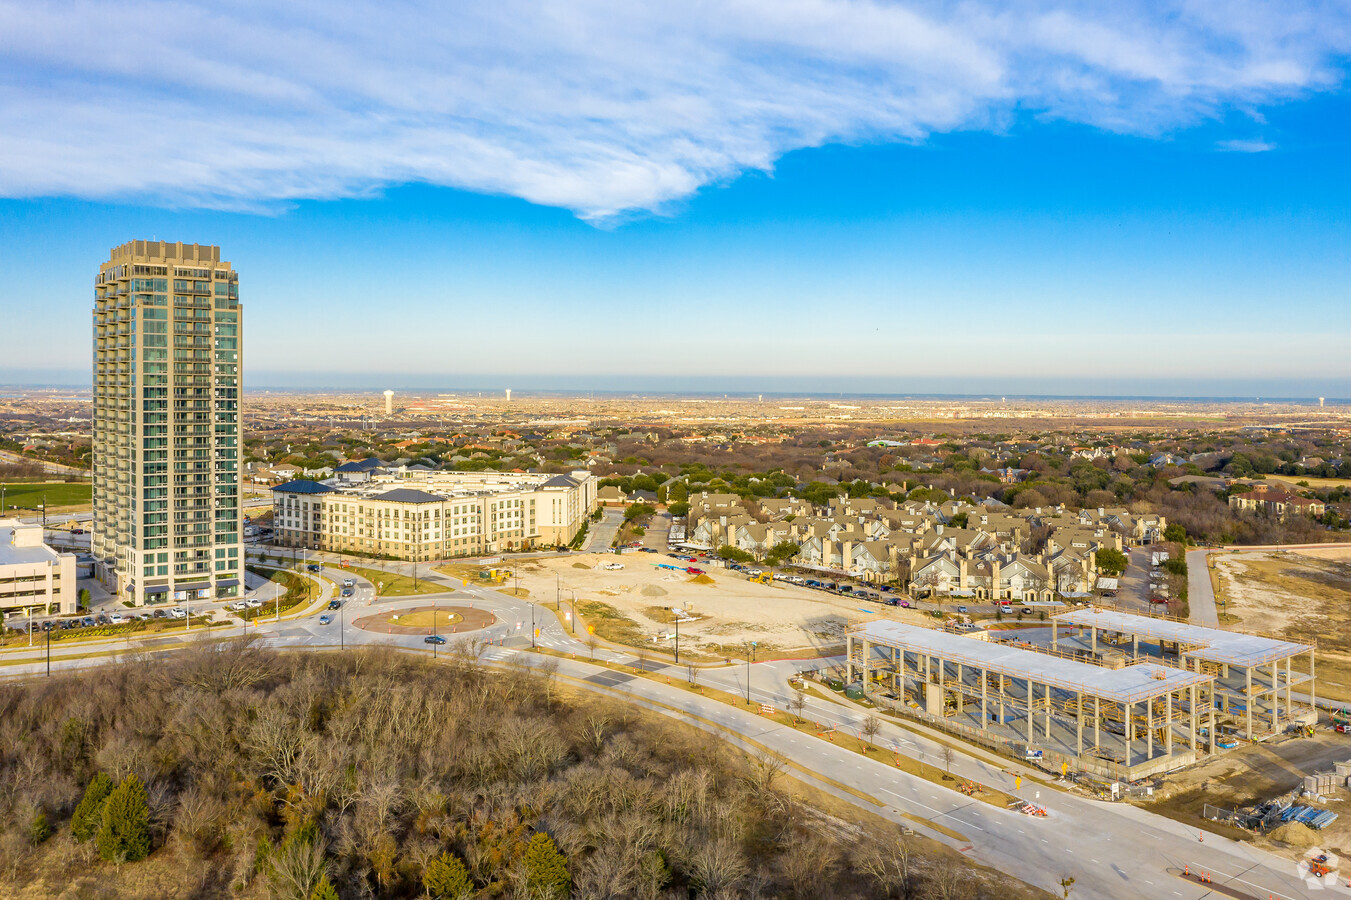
(723, 610)
(1300, 595)
(1249, 775)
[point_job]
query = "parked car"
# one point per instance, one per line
(325, 619)
(117, 619)
(253, 603)
(161, 614)
(905, 603)
(433, 639)
(693, 571)
(103, 619)
(614, 566)
(1026, 610)
(87, 621)
(961, 609)
(237, 605)
(178, 612)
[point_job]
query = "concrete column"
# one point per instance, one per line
(1079, 721)
(984, 702)
(1093, 638)
(1135, 645)
(1249, 699)
(1149, 728)
(1289, 700)
(1097, 722)
(867, 658)
(1210, 726)
(848, 659)
(1055, 636)
(1031, 692)
(1130, 729)
(1168, 724)
(1194, 713)
(1001, 698)
(1313, 682)
(961, 688)
(1048, 712)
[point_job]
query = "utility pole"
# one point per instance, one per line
(572, 622)
(433, 629)
(532, 626)
(49, 653)
(558, 591)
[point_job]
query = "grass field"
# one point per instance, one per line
(396, 585)
(58, 494)
(1315, 483)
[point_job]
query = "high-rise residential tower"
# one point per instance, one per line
(167, 329)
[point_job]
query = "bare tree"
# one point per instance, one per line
(870, 727)
(798, 703)
(591, 644)
(948, 755)
(887, 861)
(1066, 885)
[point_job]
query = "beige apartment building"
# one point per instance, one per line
(168, 328)
(33, 576)
(433, 515)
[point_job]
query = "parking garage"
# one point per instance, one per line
(1254, 677)
(1130, 721)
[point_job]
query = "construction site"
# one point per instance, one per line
(1108, 694)
(1254, 678)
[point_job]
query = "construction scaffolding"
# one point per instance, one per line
(1253, 675)
(1146, 718)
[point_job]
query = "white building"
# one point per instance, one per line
(433, 515)
(33, 576)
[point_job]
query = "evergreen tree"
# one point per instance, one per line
(546, 869)
(89, 813)
(125, 833)
(324, 890)
(446, 878)
(39, 829)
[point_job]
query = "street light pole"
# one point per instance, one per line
(750, 657)
(572, 622)
(532, 626)
(558, 591)
(677, 644)
(49, 653)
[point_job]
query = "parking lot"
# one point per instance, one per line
(719, 610)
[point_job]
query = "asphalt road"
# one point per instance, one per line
(1200, 592)
(1112, 850)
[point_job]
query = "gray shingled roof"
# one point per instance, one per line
(303, 486)
(408, 495)
(561, 481)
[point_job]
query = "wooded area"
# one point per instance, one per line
(371, 774)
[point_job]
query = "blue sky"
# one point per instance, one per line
(805, 195)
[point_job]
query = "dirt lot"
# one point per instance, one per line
(1299, 595)
(1249, 775)
(723, 609)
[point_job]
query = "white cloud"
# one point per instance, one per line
(1239, 145)
(598, 106)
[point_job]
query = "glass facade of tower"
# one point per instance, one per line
(168, 523)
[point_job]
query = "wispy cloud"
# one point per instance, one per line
(598, 106)
(1245, 146)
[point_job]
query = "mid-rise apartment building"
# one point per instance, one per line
(33, 576)
(434, 515)
(167, 340)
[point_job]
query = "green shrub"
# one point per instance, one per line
(546, 869)
(125, 833)
(84, 824)
(39, 829)
(446, 878)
